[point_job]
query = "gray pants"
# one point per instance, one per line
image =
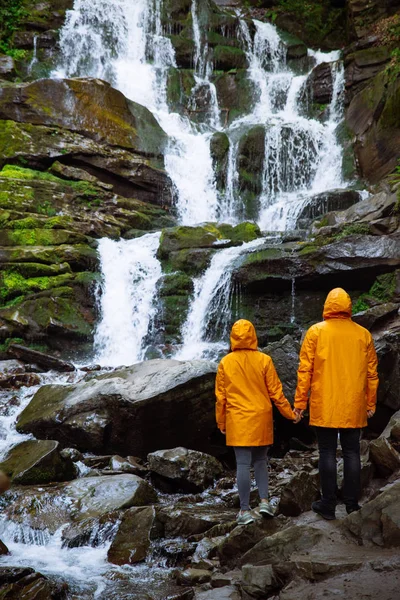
(245, 457)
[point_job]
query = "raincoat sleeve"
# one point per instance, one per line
(306, 367)
(220, 393)
(372, 376)
(275, 392)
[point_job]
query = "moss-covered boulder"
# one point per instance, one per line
(235, 92)
(250, 167)
(226, 58)
(219, 148)
(183, 237)
(87, 106)
(37, 462)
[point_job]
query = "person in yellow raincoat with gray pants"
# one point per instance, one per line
(338, 364)
(246, 383)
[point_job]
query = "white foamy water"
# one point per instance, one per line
(210, 305)
(122, 42)
(130, 271)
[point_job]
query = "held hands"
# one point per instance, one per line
(223, 431)
(370, 413)
(299, 415)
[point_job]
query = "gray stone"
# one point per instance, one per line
(245, 537)
(190, 470)
(193, 576)
(225, 593)
(383, 453)
(285, 355)
(99, 495)
(377, 315)
(298, 495)
(378, 521)
(114, 412)
(137, 528)
(37, 461)
(258, 582)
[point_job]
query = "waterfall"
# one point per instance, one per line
(130, 273)
(203, 71)
(113, 40)
(211, 305)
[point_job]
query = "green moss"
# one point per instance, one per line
(352, 229)
(229, 57)
(382, 290)
(14, 284)
(176, 284)
(262, 255)
(244, 232)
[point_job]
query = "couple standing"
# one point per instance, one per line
(338, 364)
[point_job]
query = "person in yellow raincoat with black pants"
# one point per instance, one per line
(246, 383)
(338, 364)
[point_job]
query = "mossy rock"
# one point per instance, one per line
(79, 256)
(180, 84)
(94, 108)
(175, 284)
(184, 51)
(219, 148)
(13, 284)
(226, 58)
(193, 261)
(244, 232)
(183, 237)
(56, 312)
(39, 237)
(174, 310)
(235, 92)
(37, 462)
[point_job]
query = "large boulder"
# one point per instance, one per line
(385, 450)
(299, 493)
(115, 412)
(189, 470)
(25, 583)
(378, 521)
(374, 118)
(285, 355)
(37, 461)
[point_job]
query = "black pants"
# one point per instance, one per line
(327, 443)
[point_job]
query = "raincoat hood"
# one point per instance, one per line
(337, 304)
(243, 336)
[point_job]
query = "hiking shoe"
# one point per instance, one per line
(353, 508)
(319, 508)
(244, 518)
(266, 509)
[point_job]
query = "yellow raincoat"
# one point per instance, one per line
(338, 362)
(246, 383)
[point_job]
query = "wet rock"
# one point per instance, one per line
(280, 546)
(189, 470)
(11, 367)
(334, 200)
(378, 521)
(387, 344)
(320, 84)
(101, 415)
(231, 578)
(258, 582)
(99, 495)
(72, 454)
(243, 538)
(193, 576)
(134, 534)
(3, 549)
(37, 461)
(19, 380)
(225, 593)
(362, 64)
(127, 465)
(376, 206)
(93, 532)
(24, 583)
(285, 355)
(385, 451)
(181, 521)
(298, 495)
(39, 358)
(373, 117)
(377, 315)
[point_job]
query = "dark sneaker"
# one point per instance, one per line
(319, 508)
(351, 509)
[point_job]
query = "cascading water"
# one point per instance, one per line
(112, 40)
(130, 272)
(211, 305)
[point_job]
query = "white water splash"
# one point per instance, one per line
(122, 42)
(130, 272)
(210, 304)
